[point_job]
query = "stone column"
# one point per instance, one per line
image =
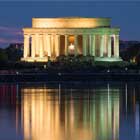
(49, 45)
(66, 45)
(84, 45)
(102, 46)
(33, 46)
(26, 45)
(45, 44)
(37, 45)
(57, 45)
(53, 45)
(105, 49)
(93, 45)
(90, 44)
(109, 46)
(75, 45)
(41, 45)
(116, 45)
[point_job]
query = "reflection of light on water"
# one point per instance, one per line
(137, 122)
(59, 91)
(126, 97)
(46, 116)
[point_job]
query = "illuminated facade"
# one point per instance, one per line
(53, 37)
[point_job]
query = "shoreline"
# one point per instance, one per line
(60, 76)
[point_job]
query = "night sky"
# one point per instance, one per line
(16, 15)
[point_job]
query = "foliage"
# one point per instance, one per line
(3, 56)
(131, 52)
(13, 53)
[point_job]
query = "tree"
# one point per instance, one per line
(3, 56)
(13, 53)
(131, 52)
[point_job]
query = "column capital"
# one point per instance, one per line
(113, 35)
(26, 35)
(66, 35)
(32, 35)
(40, 34)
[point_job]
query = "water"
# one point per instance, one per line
(70, 111)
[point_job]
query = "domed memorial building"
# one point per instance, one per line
(53, 37)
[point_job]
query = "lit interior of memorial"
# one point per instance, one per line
(52, 37)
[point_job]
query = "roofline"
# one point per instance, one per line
(71, 17)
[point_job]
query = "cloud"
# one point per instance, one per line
(10, 40)
(2, 40)
(4, 30)
(7, 28)
(10, 35)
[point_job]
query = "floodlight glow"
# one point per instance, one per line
(71, 47)
(71, 36)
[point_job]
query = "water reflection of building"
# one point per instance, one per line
(46, 114)
(8, 93)
(129, 108)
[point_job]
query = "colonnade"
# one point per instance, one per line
(41, 45)
(44, 45)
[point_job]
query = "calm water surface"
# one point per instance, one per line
(70, 111)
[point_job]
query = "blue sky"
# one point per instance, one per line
(16, 15)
